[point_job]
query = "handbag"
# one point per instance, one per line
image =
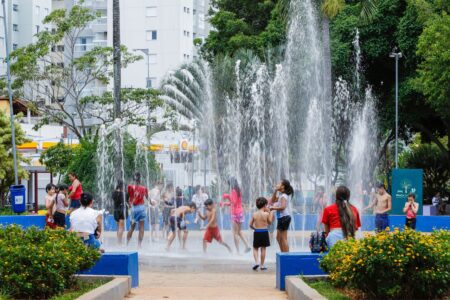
(318, 242)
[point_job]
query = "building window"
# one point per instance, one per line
(37, 29)
(188, 10)
(46, 11)
(15, 27)
(15, 7)
(46, 28)
(152, 58)
(60, 64)
(38, 10)
(151, 11)
(151, 82)
(151, 35)
(15, 46)
(53, 49)
(60, 48)
(194, 11)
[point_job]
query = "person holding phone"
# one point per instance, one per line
(411, 208)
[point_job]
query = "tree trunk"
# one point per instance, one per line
(117, 58)
(117, 85)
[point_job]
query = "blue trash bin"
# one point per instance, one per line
(18, 198)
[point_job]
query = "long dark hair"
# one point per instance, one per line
(234, 185)
(288, 189)
(86, 199)
(345, 211)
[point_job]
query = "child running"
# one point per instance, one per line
(259, 222)
(212, 230)
(178, 220)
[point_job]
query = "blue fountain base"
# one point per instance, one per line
(424, 223)
(117, 263)
(296, 263)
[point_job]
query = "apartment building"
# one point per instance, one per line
(163, 31)
(24, 19)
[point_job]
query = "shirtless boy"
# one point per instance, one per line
(383, 204)
(212, 230)
(178, 220)
(259, 222)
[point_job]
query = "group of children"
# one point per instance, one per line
(260, 222)
(56, 203)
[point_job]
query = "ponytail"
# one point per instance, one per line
(345, 212)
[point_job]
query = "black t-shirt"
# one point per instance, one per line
(118, 199)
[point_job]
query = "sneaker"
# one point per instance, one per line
(255, 267)
(263, 268)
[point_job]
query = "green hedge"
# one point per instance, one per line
(392, 265)
(38, 264)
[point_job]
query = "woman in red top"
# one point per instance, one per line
(341, 219)
(76, 189)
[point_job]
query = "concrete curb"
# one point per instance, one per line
(117, 289)
(297, 289)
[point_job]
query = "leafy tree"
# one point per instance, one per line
(434, 74)
(57, 158)
(55, 75)
(6, 155)
(246, 24)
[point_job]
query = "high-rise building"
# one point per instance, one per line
(24, 19)
(164, 32)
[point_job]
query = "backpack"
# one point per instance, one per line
(317, 242)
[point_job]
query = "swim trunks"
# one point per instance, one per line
(261, 238)
(212, 233)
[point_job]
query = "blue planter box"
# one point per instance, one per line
(117, 263)
(297, 263)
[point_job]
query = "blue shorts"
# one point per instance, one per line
(381, 222)
(75, 203)
(138, 213)
(334, 236)
(91, 241)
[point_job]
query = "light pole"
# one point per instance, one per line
(397, 56)
(10, 94)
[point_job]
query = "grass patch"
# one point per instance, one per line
(78, 289)
(325, 288)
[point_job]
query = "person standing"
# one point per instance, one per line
(155, 198)
(410, 209)
(168, 199)
(237, 213)
(382, 205)
(260, 221)
(61, 204)
(120, 210)
(199, 199)
(137, 194)
(50, 199)
(341, 219)
(76, 189)
(281, 197)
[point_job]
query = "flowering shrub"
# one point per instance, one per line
(37, 263)
(392, 265)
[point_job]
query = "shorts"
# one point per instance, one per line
(381, 222)
(181, 225)
(261, 238)
(283, 223)
(166, 215)
(118, 214)
(237, 218)
(154, 215)
(411, 223)
(75, 203)
(59, 219)
(334, 236)
(212, 233)
(91, 241)
(138, 213)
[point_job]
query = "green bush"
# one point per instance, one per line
(37, 264)
(392, 265)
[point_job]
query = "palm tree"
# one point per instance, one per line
(185, 90)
